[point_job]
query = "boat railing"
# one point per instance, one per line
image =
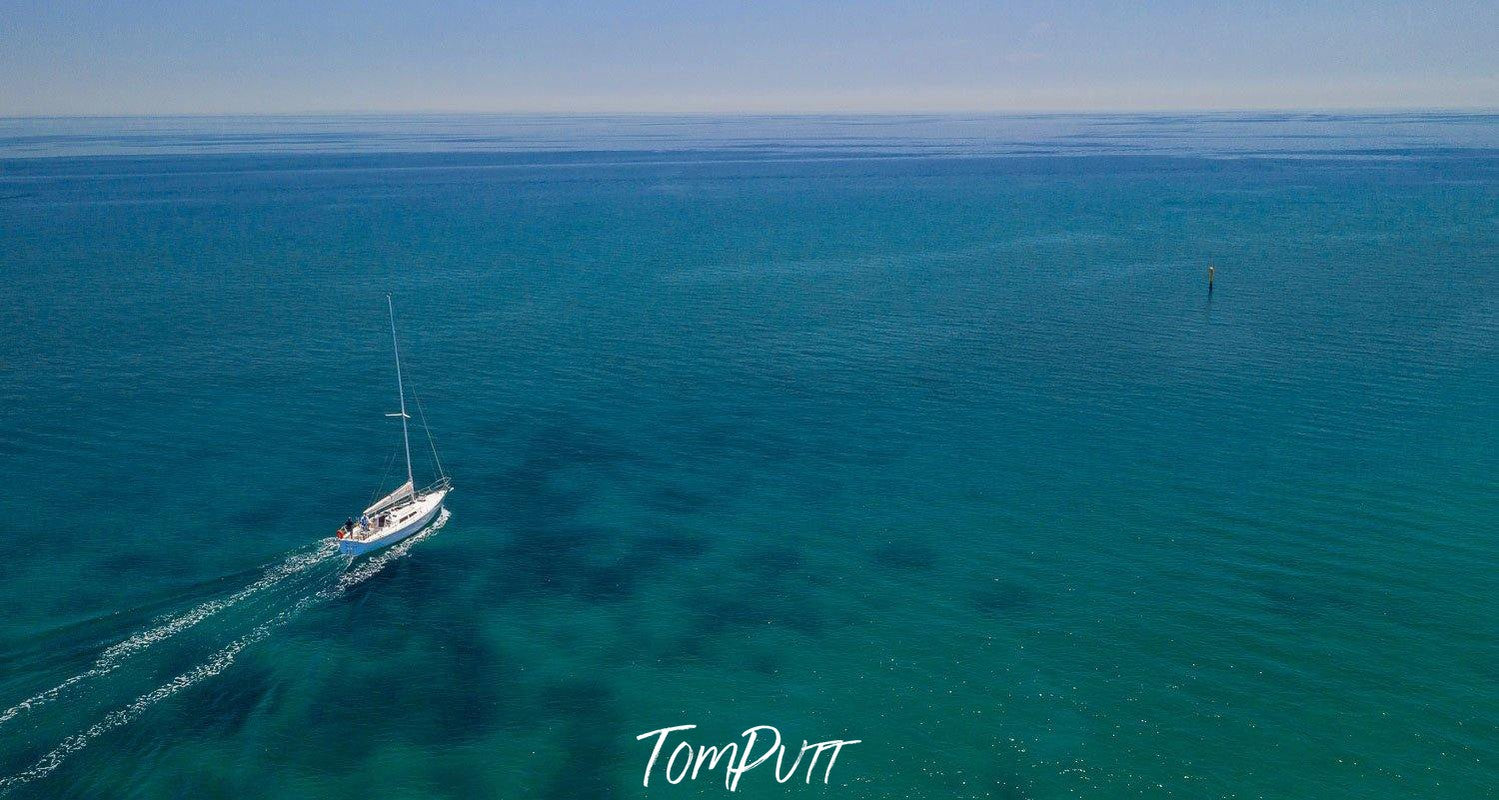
(438, 485)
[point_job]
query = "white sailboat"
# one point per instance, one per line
(407, 509)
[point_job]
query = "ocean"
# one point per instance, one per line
(922, 431)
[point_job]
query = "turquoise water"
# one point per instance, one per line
(920, 431)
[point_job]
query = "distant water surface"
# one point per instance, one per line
(760, 136)
(918, 430)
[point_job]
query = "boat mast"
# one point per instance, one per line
(400, 389)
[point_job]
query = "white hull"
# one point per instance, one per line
(408, 520)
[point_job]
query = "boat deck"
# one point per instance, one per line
(397, 518)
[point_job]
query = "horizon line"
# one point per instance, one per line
(1014, 112)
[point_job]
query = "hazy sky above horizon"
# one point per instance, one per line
(163, 56)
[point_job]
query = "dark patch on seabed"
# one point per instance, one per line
(646, 556)
(534, 493)
(261, 516)
(773, 560)
(439, 701)
(672, 500)
(141, 561)
(998, 598)
(551, 548)
(721, 613)
(763, 663)
(906, 555)
(590, 737)
(413, 616)
(221, 708)
(1297, 601)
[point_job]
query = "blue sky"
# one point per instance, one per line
(103, 57)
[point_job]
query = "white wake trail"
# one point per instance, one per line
(117, 653)
(216, 663)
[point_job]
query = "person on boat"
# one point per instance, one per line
(349, 524)
(364, 521)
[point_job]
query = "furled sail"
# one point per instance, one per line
(401, 493)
